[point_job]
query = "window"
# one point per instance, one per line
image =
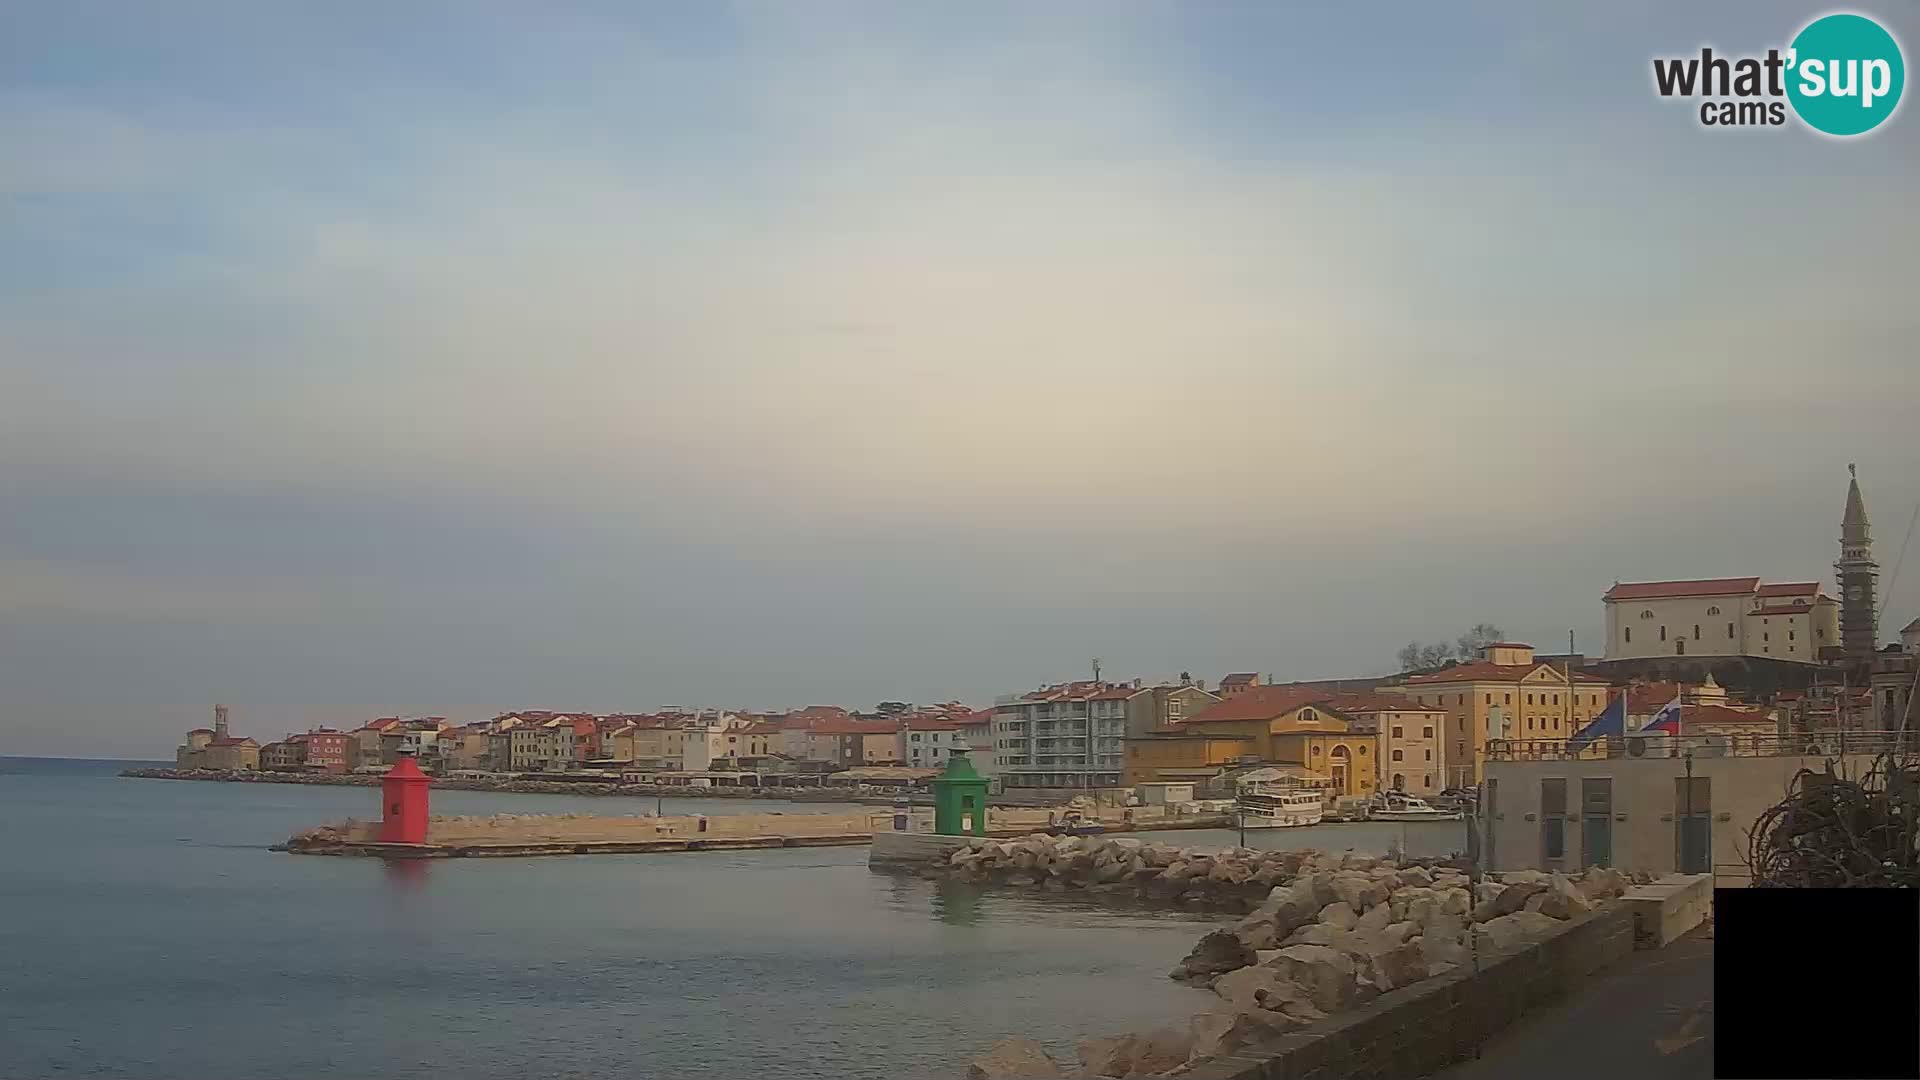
(1629, 632)
(1820, 633)
(1489, 699)
(1763, 636)
(1729, 631)
(1429, 755)
(1529, 699)
(1663, 633)
(1713, 611)
(1556, 699)
(1426, 732)
(1363, 750)
(1429, 779)
(1397, 731)
(1696, 631)
(1462, 701)
(1316, 751)
(1647, 614)
(1397, 756)
(1506, 699)
(1399, 781)
(1789, 635)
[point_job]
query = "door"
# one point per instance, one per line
(1596, 821)
(1553, 823)
(1693, 824)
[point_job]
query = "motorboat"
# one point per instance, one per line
(1268, 806)
(1397, 807)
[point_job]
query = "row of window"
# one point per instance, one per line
(1398, 755)
(1400, 732)
(1507, 699)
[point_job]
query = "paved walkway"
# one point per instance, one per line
(1649, 1017)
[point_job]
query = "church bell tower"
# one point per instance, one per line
(1858, 575)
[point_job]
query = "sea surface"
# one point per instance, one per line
(147, 932)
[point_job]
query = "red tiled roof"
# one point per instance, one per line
(932, 723)
(1239, 678)
(1660, 590)
(1352, 702)
(761, 729)
(1260, 703)
(1118, 693)
(1791, 588)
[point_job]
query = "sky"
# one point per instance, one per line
(458, 357)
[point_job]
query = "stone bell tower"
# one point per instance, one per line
(1858, 575)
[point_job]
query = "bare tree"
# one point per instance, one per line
(1479, 637)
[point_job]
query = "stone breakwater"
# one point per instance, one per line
(510, 787)
(1328, 934)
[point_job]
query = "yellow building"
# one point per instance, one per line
(1164, 756)
(1505, 694)
(1295, 725)
(1412, 755)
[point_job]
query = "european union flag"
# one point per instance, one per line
(1612, 721)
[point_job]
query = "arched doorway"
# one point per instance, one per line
(1340, 767)
(1399, 781)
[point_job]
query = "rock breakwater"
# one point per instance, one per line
(1327, 933)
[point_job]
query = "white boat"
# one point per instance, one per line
(1397, 807)
(1262, 806)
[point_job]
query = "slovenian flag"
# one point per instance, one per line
(1667, 720)
(1612, 721)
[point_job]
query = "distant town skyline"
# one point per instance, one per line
(737, 356)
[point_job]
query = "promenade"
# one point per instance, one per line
(1649, 1017)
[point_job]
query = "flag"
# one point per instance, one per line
(1611, 721)
(1667, 720)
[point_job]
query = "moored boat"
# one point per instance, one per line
(1397, 807)
(1266, 806)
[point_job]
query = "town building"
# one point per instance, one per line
(1892, 685)
(926, 742)
(976, 728)
(1412, 754)
(1293, 725)
(1658, 809)
(1070, 735)
(1858, 576)
(1505, 693)
(217, 748)
(1910, 637)
(283, 755)
(1238, 683)
(1720, 617)
(1152, 708)
(1196, 758)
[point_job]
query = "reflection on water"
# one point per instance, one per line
(407, 875)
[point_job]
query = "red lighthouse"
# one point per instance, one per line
(403, 794)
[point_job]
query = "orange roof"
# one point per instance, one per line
(1791, 588)
(1488, 671)
(1261, 703)
(1660, 590)
(1362, 702)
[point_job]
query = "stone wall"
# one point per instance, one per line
(1424, 1027)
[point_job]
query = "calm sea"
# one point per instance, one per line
(146, 932)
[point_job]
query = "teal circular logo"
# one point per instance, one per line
(1845, 74)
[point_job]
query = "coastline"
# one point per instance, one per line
(514, 787)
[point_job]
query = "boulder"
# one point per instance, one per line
(1359, 891)
(1216, 1033)
(1108, 1055)
(1327, 975)
(1514, 897)
(1270, 923)
(1444, 940)
(1563, 900)
(1390, 969)
(1009, 1059)
(1603, 884)
(1321, 934)
(1523, 877)
(1375, 920)
(1231, 872)
(1453, 901)
(1508, 932)
(1162, 1050)
(1216, 954)
(1338, 915)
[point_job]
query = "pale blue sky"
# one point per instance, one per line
(610, 355)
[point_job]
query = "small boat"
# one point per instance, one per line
(1266, 806)
(1075, 824)
(1397, 807)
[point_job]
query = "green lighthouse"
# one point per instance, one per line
(960, 799)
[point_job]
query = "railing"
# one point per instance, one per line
(1824, 744)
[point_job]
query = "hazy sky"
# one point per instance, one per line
(613, 355)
